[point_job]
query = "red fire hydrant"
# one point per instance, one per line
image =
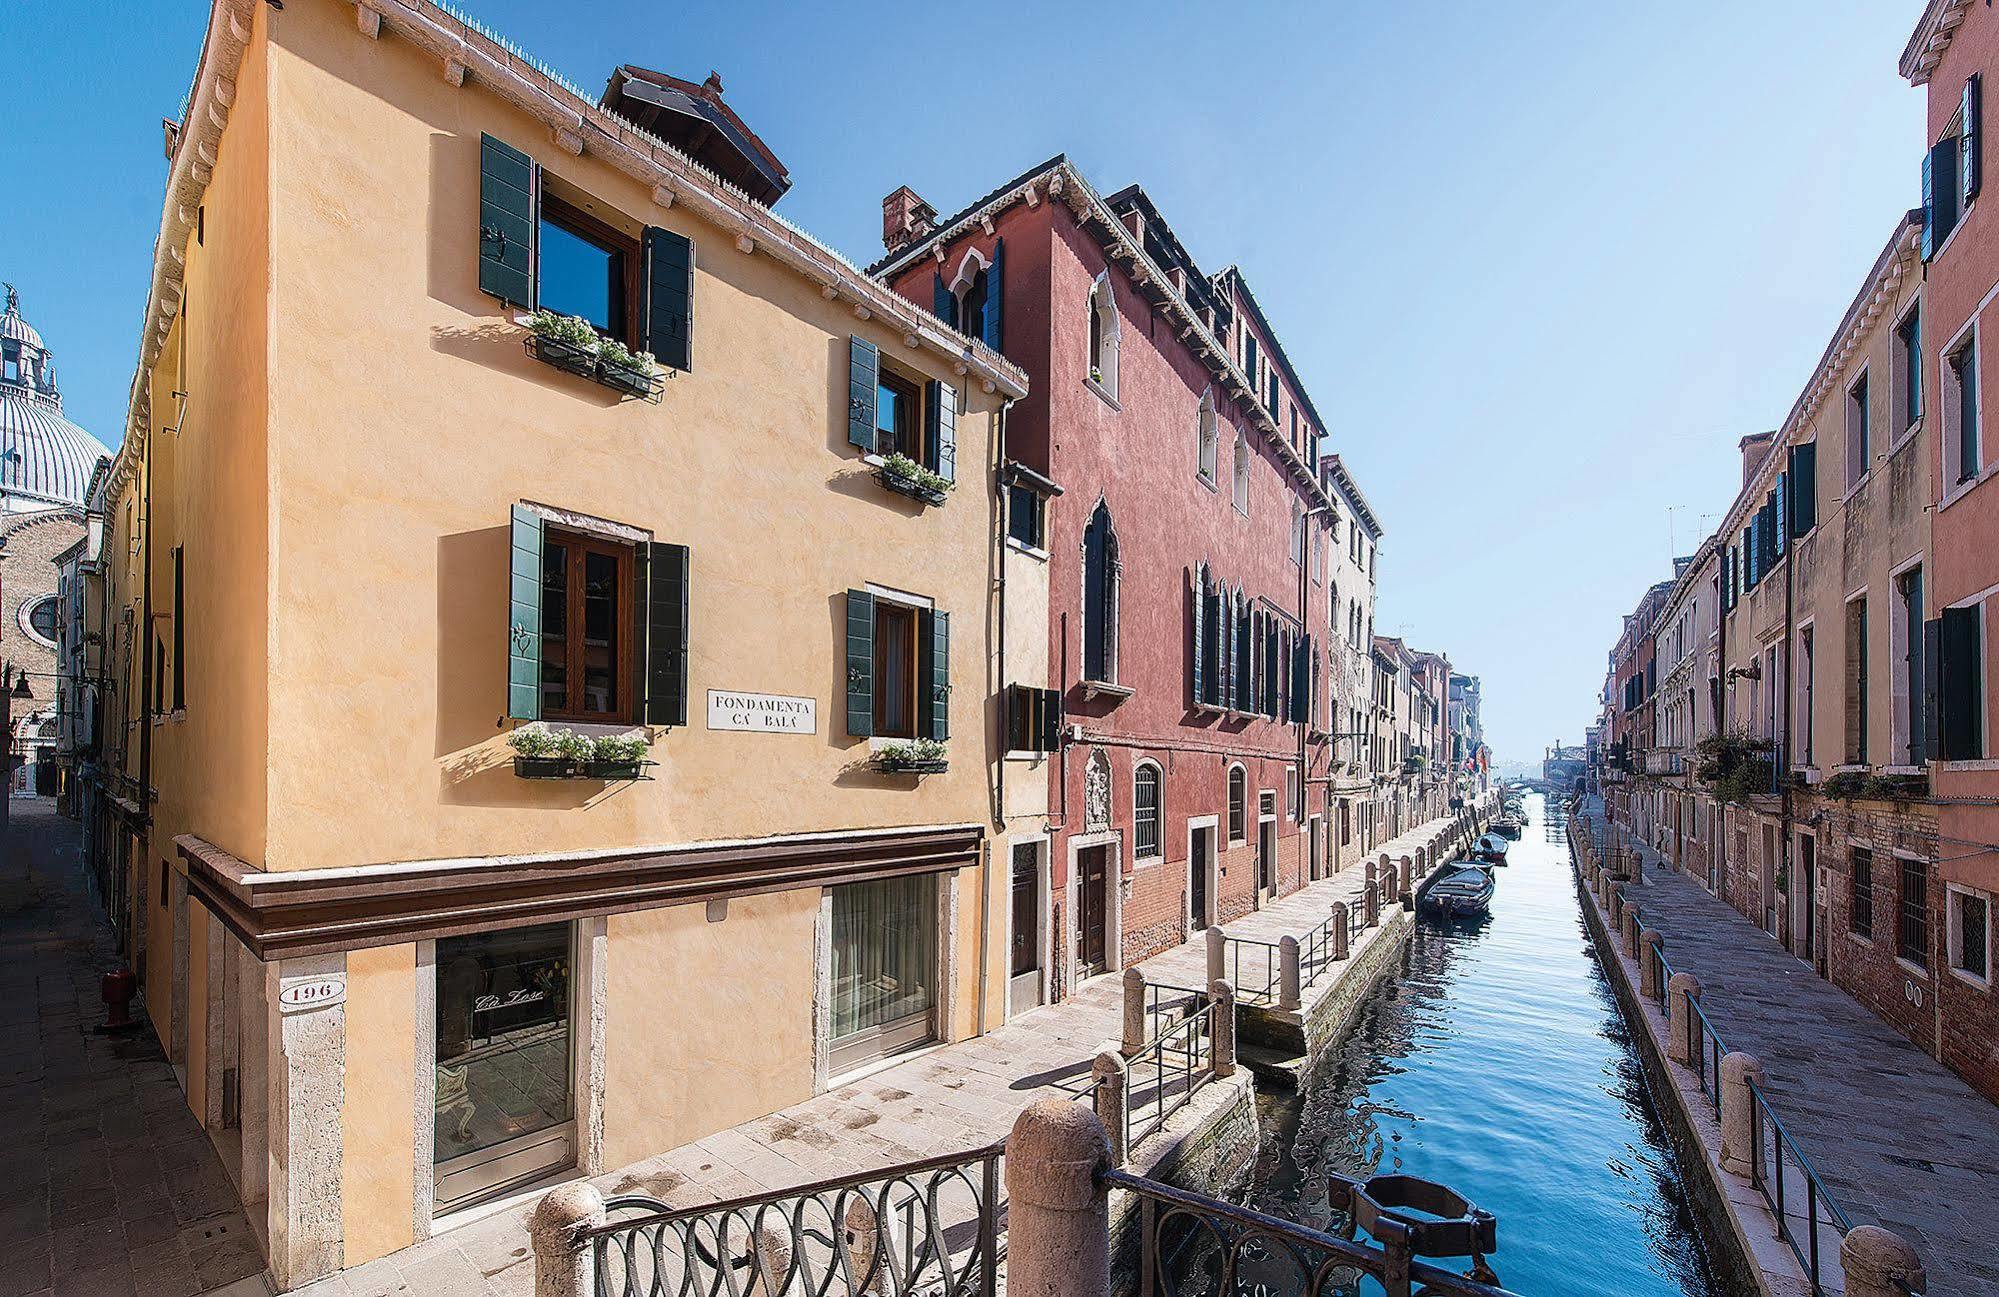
(117, 988)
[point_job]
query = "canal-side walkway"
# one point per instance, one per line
(947, 1099)
(1899, 1139)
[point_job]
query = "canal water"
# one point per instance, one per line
(1498, 1064)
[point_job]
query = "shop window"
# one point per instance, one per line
(883, 969)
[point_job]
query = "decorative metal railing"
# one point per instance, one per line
(1191, 1245)
(1162, 1077)
(1773, 1172)
(924, 1229)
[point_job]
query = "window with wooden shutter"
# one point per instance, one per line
(1963, 699)
(989, 325)
(861, 659)
(863, 370)
(1940, 195)
(669, 309)
(1933, 689)
(180, 629)
(1804, 488)
(1969, 141)
(667, 589)
(942, 304)
(940, 441)
(506, 222)
(1196, 674)
(935, 674)
(524, 616)
(1856, 681)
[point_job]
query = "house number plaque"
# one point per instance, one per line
(313, 993)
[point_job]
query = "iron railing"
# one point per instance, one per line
(923, 1229)
(1191, 1245)
(1162, 1077)
(1259, 984)
(1770, 1174)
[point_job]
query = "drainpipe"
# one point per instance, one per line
(1785, 815)
(145, 644)
(999, 768)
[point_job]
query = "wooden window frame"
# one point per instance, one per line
(560, 212)
(887, 610)
(910, 393)
(629, 708)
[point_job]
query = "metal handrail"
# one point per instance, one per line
(1183, 1051)
(1771, 1184)
(1257, 993)
(1701, 1034)
(1324, 1261)
(881, 1233)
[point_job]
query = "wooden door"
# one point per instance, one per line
(1091, 902)
(1024, 959)
(1197, 878)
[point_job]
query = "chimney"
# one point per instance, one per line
(905, 219)
(1754, 448)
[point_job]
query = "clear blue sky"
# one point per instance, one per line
(1540, 264)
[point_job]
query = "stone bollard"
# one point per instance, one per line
(1372, 872)
(870, 1249)
(1739, 1154)
(1058, 1215)
(1404, 880)
(1649, 969)
(1112, 1095)
(1680, 989)
(1613, 910)
(1222, 1044)
(1290, 986)
(1880, 1263)
(561, 1262)
(1134, 1013)
(1370, 900)
(1631, 931)
(1218, 943)
(1340, 922)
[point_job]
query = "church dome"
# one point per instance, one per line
(45, 460)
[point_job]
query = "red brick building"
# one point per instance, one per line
(1954, 45)
(1188, 551)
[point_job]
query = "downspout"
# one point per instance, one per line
(1785, 852)
(999, 776)
(145, 645)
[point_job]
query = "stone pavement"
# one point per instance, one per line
(1899, 1139)
(110, 1185)
(949, 1099)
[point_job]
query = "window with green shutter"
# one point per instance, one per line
(940, 439)
(1962, 684)
(524, 617)
(666, 587)
(898, 669)
(669, 312)
(934, 674)
(506, 222)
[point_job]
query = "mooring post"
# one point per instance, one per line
(1222, 1046)
(1340, 921)
(1111, 1078)
(561, 1261)
(1682, 989)
(1739, 1154)
(1058, 1211)
(1404, 880)
(1290, 989)
(1649, 942)
(1880, 1263)
(1134, 1013)
(1217, 952)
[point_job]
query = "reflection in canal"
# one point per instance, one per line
(1497, 1064)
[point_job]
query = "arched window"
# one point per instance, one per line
(1297, 530)
(1145, 811)
(1100, 597)
(1238, 803)
(1208, 438)
(1242, 472)
(1103, 335)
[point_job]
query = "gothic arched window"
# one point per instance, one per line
(1100, 597)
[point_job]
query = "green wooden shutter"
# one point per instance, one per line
(524, 617)
(942, 304)
(936, 668)
(1963, 711)
(860, 663)
(1051, 719)
(863, 368)
(506, 222)
(1933, 689)
(1968, 143)
(1196, 676)
(989, 327)
(1804, 488)
(940, 446)
(669, 310)
(667, 590)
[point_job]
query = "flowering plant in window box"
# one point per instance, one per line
(616, 756)
(538, 753)
(573, 345)
(628, 371)
(902, 474)
(916, 756)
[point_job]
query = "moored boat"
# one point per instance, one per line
(1463, 891)
(1489, 849)
(1507, 827)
